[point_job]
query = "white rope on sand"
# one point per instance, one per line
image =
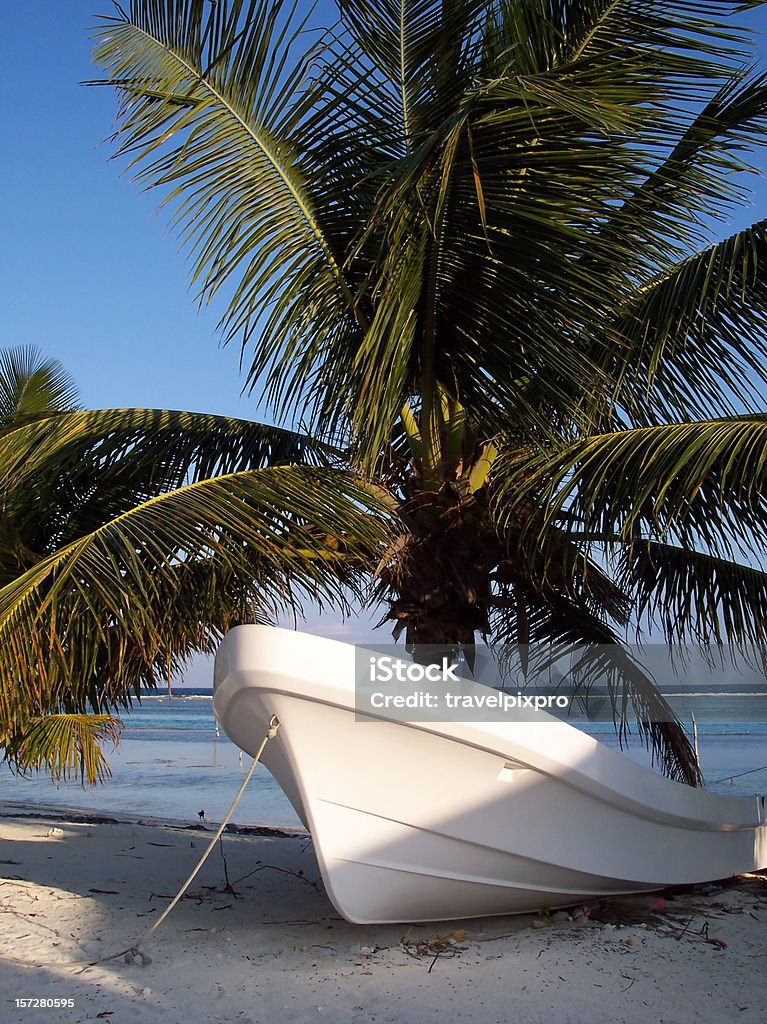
(133, 953)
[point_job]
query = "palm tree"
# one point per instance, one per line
(479, 246)
(134, 538)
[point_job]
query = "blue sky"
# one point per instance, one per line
(91, 274)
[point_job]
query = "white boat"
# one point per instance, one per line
(435, 820)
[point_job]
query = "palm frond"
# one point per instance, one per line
(65, 476)
(215, 444)
(690, 342)
(699, 178)
(64, 746)
(560, 628)
(684, 47)
(421, 48)
(72, 624)
(694, 596)
(707, 480)
(213, 100)
(32, 385)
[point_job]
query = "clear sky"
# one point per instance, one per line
(90, 274)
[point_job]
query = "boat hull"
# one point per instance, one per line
(428, 821)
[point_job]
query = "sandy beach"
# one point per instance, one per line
(256, 940)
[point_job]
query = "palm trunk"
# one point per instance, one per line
(441, 578)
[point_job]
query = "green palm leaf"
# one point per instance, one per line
(212, 112)
(31, 385)
(565, 628)
(707, 480)
(64, 746)
(65, 476)
(101, 600)
(695, 596)
(694, 334)
(398, 39)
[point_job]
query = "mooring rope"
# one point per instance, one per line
(133, 953)
(738, 775)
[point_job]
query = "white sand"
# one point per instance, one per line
(277, 951)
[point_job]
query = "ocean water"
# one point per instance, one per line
(170, 764)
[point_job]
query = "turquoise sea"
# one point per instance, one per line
(171, 764)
